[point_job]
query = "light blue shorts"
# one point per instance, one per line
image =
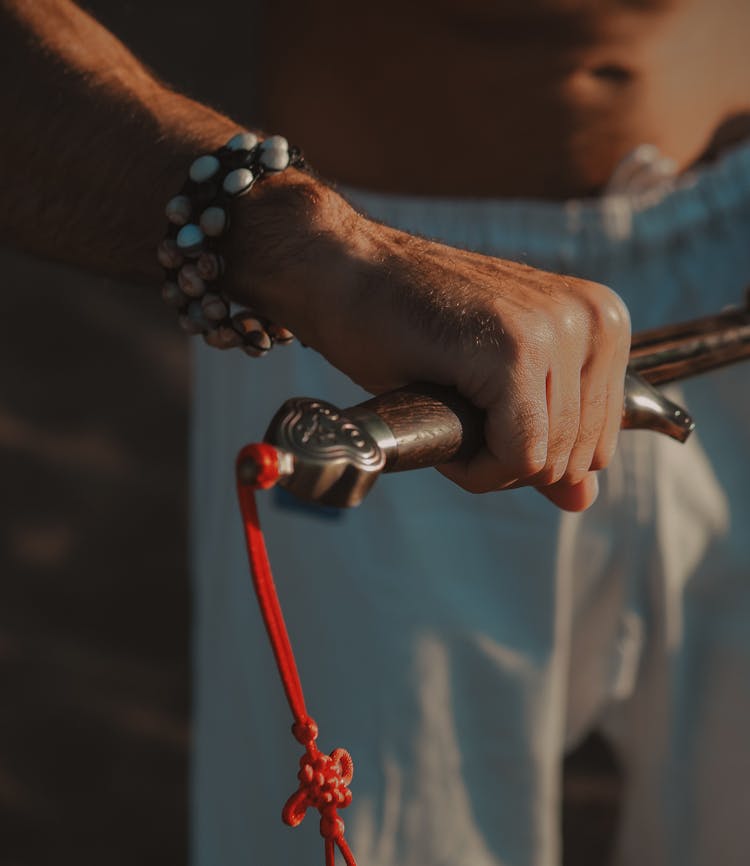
(457, 645)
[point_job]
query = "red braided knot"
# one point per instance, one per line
(323, 781)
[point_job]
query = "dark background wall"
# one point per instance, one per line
(94, 593)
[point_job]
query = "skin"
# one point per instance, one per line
(572, 86)
(532, 98)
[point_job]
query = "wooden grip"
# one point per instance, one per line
(431, 425)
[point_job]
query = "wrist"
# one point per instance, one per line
(199, 240)
(290, 252)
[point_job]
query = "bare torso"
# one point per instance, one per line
(503, 97)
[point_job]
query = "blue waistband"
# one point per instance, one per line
(689, 204)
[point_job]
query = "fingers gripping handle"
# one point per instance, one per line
(334, 456)
(431, 425)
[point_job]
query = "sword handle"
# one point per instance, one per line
(421, 425)
(425, 425)
(333, 456)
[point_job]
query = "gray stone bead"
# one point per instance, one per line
(171, 294)
(168, 254)
(275, 158)
(178, 210)
(213, 221)
(210, 266)
(190, 281)
(190, 238)
(242, 141)
(204, 168)
(273, 142)
(215, 308)
(238, 181)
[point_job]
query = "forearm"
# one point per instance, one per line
(93, 145)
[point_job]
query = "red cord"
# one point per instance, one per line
(323, 779)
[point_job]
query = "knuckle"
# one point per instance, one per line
(609, 316)
(512, 345)
(570, 323)
(530, 338)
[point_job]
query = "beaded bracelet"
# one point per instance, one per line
(198, 218)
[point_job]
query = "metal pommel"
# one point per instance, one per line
(336, 460)
(648, 409)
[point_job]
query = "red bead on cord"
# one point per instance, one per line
(323, 779)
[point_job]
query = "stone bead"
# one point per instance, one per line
(210, 266)
(204, 168)
(280, 334)
(211, 338)
(190, 281)
(238, 181)
(255, 338)
(254, 351)
(172, 295)
(274, 142)
(188, 325)
(274, 153)
(246, 323)
(178, 210)
(215, 308)
(242, 141)
(190, 238)
(223, 338)
(275, 159)
(230, 336)
(213, 221)
(168, 254)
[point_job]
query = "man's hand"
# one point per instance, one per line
(543, 354)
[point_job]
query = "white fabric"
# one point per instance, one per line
(457, 645)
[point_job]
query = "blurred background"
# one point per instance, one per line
(95, 595)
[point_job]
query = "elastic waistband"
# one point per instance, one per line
(688, 204)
